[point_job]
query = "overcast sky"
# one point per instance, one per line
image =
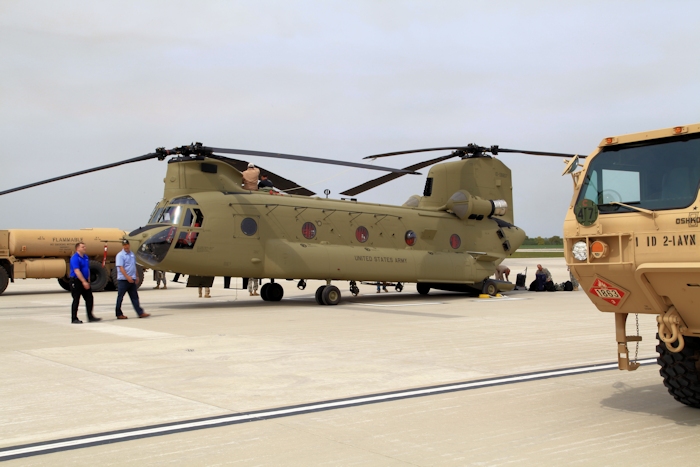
(86, 83)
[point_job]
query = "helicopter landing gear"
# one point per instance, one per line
(490, 288)
(319, 291)
(422, 289)
(399, 287)
(328, 295)
(272, 292)
(354, 289)
(301, 285)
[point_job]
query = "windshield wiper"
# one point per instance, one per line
(642, 210)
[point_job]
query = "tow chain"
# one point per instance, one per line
(636, 347)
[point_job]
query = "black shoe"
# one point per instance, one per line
(94, 319)
(76, 321)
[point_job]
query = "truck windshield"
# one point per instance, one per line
(656, 175)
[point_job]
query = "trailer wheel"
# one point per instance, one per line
(113, 278)
(64, 282)
(680, 371)
(4, 279)
(98, 276)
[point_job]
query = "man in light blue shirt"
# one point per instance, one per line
(127, 279)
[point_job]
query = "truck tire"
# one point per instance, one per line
(4, 279)
(113, 277)
(681, 371)
(98, 276)
(64, 282)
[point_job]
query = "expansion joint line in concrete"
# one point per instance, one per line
(46, 447)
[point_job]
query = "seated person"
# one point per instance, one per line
(265, 183)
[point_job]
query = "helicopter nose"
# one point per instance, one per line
(151, 251)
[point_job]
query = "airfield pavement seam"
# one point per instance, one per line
(46, 447)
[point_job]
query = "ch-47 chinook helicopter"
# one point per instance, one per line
(451, 238)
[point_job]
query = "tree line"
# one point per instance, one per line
(556, 240)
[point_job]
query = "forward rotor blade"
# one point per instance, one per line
(281, 183)
(307, 159)
(145, 157)
(389, 177)
(411, 151)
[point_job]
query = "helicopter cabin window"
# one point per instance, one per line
(362, 234)
(184, 200)
(455, 241)
(249, 226)
(428, 187)
(308, 230)
(193, 218)
(656, 175)
(410, 238)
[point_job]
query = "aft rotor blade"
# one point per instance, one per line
(537, 153)
(469, 148)
(307, 159)
(280, 182)
(389, 177)
(145, 157)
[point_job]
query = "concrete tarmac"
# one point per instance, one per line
(126, 392)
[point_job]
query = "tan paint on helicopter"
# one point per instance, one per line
(279, 250)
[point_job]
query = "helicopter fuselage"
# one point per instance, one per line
(207, 225)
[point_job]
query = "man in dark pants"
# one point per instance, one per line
(80, 283)
(127, 281)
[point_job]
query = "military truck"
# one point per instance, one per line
(42, 254)
(632, 236)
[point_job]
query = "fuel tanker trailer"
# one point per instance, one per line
(45, 254)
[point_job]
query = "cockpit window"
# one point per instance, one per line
(193, 218)
(170, 215)
(156, 215)
(656, 175)
(184, 200)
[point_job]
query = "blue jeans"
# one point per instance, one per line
(130, 287)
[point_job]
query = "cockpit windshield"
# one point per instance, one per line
(656, 175)
(170, 215)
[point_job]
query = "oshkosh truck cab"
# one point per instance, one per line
(632, 236)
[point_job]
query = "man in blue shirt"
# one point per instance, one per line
(127, 279)
(80, 283)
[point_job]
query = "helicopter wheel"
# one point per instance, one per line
(422, 289)
(399, 287)
(319, 293)
(275, 292)
(264, 291)
(331, 295)
(490, 288)
(354, 289)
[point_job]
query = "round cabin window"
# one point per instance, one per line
(362, 234)
(308, 230)
(410, 238)
(249, 226)
(455, 241)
